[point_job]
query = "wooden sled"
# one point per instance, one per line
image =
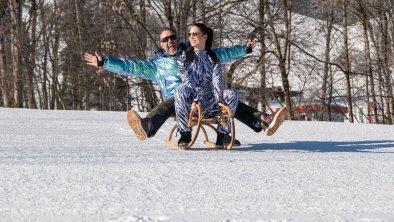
(197, 122)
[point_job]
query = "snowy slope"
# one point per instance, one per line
(88, 166)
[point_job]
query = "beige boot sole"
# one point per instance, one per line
(277, 121)
(135, 123)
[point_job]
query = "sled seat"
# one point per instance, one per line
(197, 121)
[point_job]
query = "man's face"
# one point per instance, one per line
(168, 42)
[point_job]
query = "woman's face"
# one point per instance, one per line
(197, 38)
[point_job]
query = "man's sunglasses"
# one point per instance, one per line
(165, 39)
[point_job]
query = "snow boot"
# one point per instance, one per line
(272, 122)
(141, 127)
(186, 138)
(224, 139)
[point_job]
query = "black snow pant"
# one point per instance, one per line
(245, 114)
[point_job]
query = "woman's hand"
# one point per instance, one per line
(221, 105)
(194, 106)
(251, 43)
(249, 46)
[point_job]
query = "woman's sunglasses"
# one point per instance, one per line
(194, 34)
(165, 39)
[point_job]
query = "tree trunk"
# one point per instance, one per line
(388, 27)
(80, 48)
(3, 77)
(203, 14)
(281, 55)
(194, 11)
(168, 13)
(148, 90)
(44, 80)
(326, 71)
(382, 52)
(15, 11)
(389, 15)
(347, 61)
(262, 60)
(32, 61)
(367, 54)
(3, 88)
(4, 80)
(183, 9)
(56, 98)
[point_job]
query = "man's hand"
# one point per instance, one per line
(93, 60)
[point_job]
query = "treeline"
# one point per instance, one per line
(42, 44)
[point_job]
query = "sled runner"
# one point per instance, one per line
(197, 121)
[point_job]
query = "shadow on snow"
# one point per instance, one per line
(321, 146)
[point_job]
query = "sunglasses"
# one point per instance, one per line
(165, 39)
(194, 34)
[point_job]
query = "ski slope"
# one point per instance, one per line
(88, 166)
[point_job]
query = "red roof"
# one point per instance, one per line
(317, 107)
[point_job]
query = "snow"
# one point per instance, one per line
(88, 166)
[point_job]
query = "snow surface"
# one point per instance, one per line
(88, 166)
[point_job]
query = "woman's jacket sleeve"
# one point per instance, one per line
(227, 55)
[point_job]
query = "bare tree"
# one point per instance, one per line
(367, 53)
(347, 62)
(41, 46)
(15, 22)
(383, 54)
(4, 91)
(326, 90)
(31, 56)
(281, 49)
(262, 59)
(147, 88)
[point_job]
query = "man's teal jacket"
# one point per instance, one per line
(163, 69)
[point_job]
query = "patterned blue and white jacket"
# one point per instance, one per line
(163, 69)
(203, 75)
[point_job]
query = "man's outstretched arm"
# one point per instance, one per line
(145, 69)
(95, 60)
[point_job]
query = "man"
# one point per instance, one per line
(163, 70)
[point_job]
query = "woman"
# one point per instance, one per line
(202, 83)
